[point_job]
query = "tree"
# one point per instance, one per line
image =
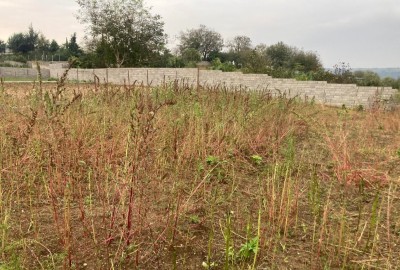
(239, 51)
(17, 43)
(239, 44)
(53, 47)
(256, 61)
(305, 61)
(191, 56)
(279, 55)
(2, 46)
(73, 47)
(124, 29)
(388, 81)
(32, 38)
(367, 78)
(23, 42)
(43, 44)
(204, 40)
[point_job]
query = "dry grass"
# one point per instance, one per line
(133, 177)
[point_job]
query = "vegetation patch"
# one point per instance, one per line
(175, 177)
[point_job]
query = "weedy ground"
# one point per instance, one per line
(133, 177)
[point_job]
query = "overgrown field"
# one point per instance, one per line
(129, 177)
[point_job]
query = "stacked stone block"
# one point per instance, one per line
(348, 95)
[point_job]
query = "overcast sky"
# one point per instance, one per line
(363, 33)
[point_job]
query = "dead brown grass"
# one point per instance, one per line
(138, 178)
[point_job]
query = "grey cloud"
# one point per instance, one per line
(362, 32)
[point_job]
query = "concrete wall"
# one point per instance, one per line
(349, 95)
(28, 73)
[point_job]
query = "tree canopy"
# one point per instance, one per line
(73, 47)
(53, 47)
(2, 46)
(239, 44)
(124, 30)
(203, 39)
(279, 55)
(24, 42)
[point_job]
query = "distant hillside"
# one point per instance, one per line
(383, 72)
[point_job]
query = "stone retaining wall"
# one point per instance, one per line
(349, 95)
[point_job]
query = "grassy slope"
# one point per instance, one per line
(162, 178)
